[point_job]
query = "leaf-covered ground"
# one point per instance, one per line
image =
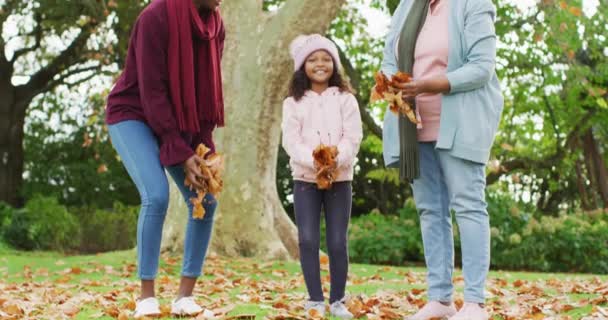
(50, 286)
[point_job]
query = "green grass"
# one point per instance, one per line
(49, 268)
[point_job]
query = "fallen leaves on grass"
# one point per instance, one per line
(278, 293)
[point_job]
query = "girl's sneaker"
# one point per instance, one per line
(338, 309)
(148, 307)
(315, 309)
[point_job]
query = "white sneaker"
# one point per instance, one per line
(338, 309)
(471, 311)
(434, 310)
(186, 306)
(148, 307)
(315, 309)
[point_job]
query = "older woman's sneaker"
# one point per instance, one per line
(434, 309)
(471, 311)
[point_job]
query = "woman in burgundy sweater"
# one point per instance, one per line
(167, 101)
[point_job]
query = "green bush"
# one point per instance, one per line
(576, 242)
(383, 239)
(521, 238)
(43, 224)
(6, 214)
(107, 230)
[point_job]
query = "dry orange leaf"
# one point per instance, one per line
(69, 309)
(280, 305)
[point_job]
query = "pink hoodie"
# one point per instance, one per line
(331, 118)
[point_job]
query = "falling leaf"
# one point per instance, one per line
(87, 141)
(102, 169)
(507, 147)
(576, 11)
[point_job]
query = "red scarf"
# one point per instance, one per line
(195, 76)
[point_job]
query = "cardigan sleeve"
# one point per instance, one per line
(480, 42)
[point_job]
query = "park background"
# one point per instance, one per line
(69, 210)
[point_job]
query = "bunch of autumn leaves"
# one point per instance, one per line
(212, 169)
(388, 91)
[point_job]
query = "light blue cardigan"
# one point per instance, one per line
(470, 113)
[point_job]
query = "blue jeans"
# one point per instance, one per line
(448, 183)
(138, 148)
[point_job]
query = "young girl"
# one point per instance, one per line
(321, 109)
(167, 101)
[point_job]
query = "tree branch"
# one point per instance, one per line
(289, 17)
(37, 33)
(355, 78)
(550, 109)
(73, 72)
(5, 11)
(71, 55)
(546, 162)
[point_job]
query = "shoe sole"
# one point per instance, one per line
(185, 315)
(152, 315)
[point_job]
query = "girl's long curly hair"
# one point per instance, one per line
(300, 83)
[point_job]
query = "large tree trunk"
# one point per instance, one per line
(256, 68)
(12, 115)
(596, 167)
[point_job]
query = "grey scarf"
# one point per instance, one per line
(409, 159)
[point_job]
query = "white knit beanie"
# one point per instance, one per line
(304, 45)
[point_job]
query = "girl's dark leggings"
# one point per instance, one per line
(336, 204)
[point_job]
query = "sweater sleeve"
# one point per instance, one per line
(389, 61)
(480, 39)
(293, 143)
(151, 40)
(352, 133)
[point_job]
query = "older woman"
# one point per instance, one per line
(449, 47)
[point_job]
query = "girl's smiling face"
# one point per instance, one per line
(319, 67)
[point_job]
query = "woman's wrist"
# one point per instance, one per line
(438, 84)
